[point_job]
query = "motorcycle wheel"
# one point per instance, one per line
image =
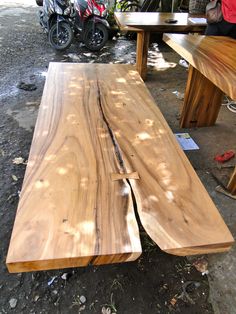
(64, 38)
(94, 41)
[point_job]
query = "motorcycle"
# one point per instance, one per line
(91, 23)
(55, 18)
(62, 19)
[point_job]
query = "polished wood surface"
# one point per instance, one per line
(96, 121)
(202, 101)
(71, 213)
(213, 56)
(173, 206)
(156, 21)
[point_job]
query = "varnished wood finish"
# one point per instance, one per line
(142, 53)
(70, 212)
(232, 183)
(213, 56)
(173, 206)
(156, 21)
(96, 120)
(202, 101)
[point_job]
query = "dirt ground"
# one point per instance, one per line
(156, 282)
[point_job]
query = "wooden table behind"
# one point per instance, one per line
(143, 23)
(156, 21)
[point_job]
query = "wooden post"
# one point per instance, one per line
(232, 183)
(202, 101)
(142, 53)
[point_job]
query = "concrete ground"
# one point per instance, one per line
(160, 278)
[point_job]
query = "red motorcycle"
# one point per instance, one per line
(62, 19)
(91, 23)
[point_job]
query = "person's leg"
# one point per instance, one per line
(222, 28)
(232, 32)
(212, 30)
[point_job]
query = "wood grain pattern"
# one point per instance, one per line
(232, 183)
(202, 101)
(142, 53)
(173, 206)
(95, 120)
(213, 56)
(156, 21)
(70, 212)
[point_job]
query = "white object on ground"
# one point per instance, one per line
(183, 63)
(186, 142)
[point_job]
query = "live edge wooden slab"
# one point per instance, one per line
(96, 121)
(70, 212)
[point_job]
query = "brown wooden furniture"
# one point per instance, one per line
(98, 133)
(70, 212)
(212, 72)
(145, 22)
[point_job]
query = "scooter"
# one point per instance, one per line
(62, 19)
(91, 23)
(56, 20)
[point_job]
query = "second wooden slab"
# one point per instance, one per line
(174, 207)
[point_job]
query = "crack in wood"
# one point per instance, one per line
(113, 138)
(118, 153)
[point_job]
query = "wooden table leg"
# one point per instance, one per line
(232, 183)
(142, 53)
(202, 101)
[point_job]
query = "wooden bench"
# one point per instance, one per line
(143, 23)
(98, 135)
(212, 72)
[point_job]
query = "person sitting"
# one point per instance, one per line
(226, 27)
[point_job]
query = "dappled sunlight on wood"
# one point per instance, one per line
(71, 157)
(62, 170)
(78, 213)
(121, 80)
(42, 184)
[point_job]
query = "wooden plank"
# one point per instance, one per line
(232, 183)
(70, 212)
(213, 56)
(156, 21)
(202, 101)
(142, 53)
(173, 206)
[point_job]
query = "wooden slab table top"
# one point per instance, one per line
(145, 22)
(98, 135)
(212, 72)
